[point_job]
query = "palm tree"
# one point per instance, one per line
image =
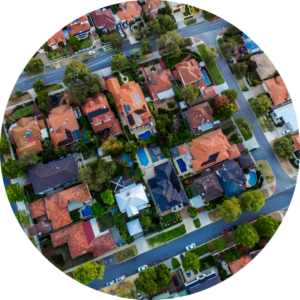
(80, 146)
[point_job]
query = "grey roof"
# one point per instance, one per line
(174, 152)
(203, 284)
(245, 161)
(45, 177)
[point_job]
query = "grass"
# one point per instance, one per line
(66, 51)
(247, 131)
(226, 131)
(199, 251)
(235, 139)
(169, 217)
(253, 76)
(149, 212)
(26, 222)
(213, 68)
(175, 263)
(167, 236)
(129, 74)
(126, 254)
(237, 39)
(53, 88)
(54, 54)
(39, 70)
(26, 111)
(190, 22)
(85, 43)
(32, 241)
(84, 258)
(175, 60)
(119, 78)
(197, 223)
(89, 153)
(265, 170)
(207, 263)
(106, 221)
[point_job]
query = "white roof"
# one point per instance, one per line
(44, 133)
(288, 114)
(100, 151)
(197, 201)
(182, 104)
(166, 94)
(107, 158)
(132, 200)
(134, 227)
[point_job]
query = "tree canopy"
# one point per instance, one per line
(116, 40)
(10, 167)
(42, 99)
(146, 221)
(212, 55)
(34, 64)
(231, 94)
(227, 111)
(283, 147)
(146, 282)
(97, 209)
(252, 201)
(162, 24)
(174, 42)
(4, 144)
(146, 48)
(38, 85)
(120, 222)
(14, 193)
(221, 101)
(230, 210)
(163, 274)
(75, 74)
(232, 255)
(190, 261)
(119, 62)
(21, 215)
(108, 198)
(240, 69)
(112, 146)
(193, 212)
(88, 272)
(246, 235)
(266, 226)
(262, 104)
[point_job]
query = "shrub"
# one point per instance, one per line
(193, 212)
(105, 38)
(223, 274)
(171, 104)
(175, 263)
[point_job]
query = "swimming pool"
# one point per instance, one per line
(252, 179)
(85, 137)
(145, 135)
(182, 165)
(205, 77)
(86, 211)
(143, 157)
(154, 159)
(128, 159)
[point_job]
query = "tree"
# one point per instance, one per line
(146, 282)
(15, 193)
(10, 167)
(73, 40)
(162, 24)
(240, 69)
(34, 64)
(134, 66)
(60, 151)
(46, 47)
(61, 44)
(221, 101)
(220, 243)
(252, 201)
(75, 74)
(232, 255)
(164, 125)
(81, 146)
(244, 127)
(42, 99)
(27, 159)
(108, 198)
(116, 40)
(98, 210)
(112, 146)
(88, 272)
(4, 144)
(124, 237)
(173, 42)
(246, 235)
(283, 147)
(191, 93)
(230, 210)
(163, 274)
(262, 104)
(227, 111)
(21, 215)
(229, 47)
(125, 289)
(119, 62)
(212, 55)
(146, 221)
(231, 94)
(120, 222)
(38, 85)
(146, 47)
(193, 212)
(190, 261)
(266, 226)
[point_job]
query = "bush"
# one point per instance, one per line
(223, 274)
(105, 38)
(175, 263)
(153, 69)
(171, 104)
(245, 57)
(193, 212)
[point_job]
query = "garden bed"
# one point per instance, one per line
(126, 254)
(226, 131)
(190, 22)
(234, 139)
(197, 223)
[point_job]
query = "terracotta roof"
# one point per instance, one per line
(152, 16)
(56, 38)
(104, 19)
(80, 24)
(100, 115)
(159, 82)
(209, 92)
(210, 149)
(265, 68)
(63, 122)
(130, 10)
(37, 208)
(296, 140)
(76, 239)
(27, 135)
(130, 101)
(199, 113)
(277, 90)
(239, 264)
(182, 149)
(103, 82)
(57, 204)
(151, 5)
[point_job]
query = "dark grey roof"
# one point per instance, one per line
(211, 158)
(245, 161)
(203, 284)
(45, 177)
(131, 120)
(77, 135)
(139, 111)
(174, 152)
(97, 112)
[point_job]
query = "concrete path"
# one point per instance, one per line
(141, 245)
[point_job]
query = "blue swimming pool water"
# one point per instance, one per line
(154, 159)
(205, 77)
(252, 179)
(128, 159)
(143, 157)
(86, 211)
(145, 135)
(85, 137)
(182, 165)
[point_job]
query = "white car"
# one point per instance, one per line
(190, 247)
(140, 269)
(119, 279)
(110, 283)
(92, 52)
(285, 132)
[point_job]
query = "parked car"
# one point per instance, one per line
(242, 49)
(92, 52)
(181, 256)
(190, 247)
(224, 231)
(119, 279)
(142, 268)
(125, 25)
(119, 26)
(188, 273)
(232, 228)
(176, 282)
(110, 283)
(285, 132)
(139, 296)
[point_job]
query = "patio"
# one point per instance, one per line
(43, 226)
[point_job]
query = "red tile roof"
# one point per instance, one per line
(151, 5)
(37, 208)
(296, 140)
(182, 149)
(56, 38)
(103, 19)
(277, 90)
(152, 16)
(130, 10)
(209, 92)
(159, 82)
(239, 264)
(80, 24)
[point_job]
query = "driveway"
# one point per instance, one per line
(178, 17)
(258, 90)
(44, 58)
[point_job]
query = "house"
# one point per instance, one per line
(166, 188)
(176, 7)
(104, 19)
(118, 183)
(80, 27)
(178, 150)
(239, 264)
(100, 115)
(28, 134)
(48, 176)
(206, 281)
(63, 126)
(250, 45)
(296, 141)
(265, 68)
(132, 199)
(189, 72)
(37, 208)
(231, 178)
(200, 117)
(152, 16)
(286, 114)
(208, 186)
(152, 6)
(210, 149)
(55, 39)
(277, 90)
(159, 84)
(130, 102)
(84, 237)
(245, 161)
(131, 11)
(135, 229)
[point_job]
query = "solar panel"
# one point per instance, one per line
(138, 118)
(75, 20)
(127, 109)
(69, 28)
(69, 136)
(137, 100)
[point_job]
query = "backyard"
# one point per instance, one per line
(266, 171)
(85, 43)
(26, 111)
(106, 221)
(129, 74)
(226, 131)
(126, 253)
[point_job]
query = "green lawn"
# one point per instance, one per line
(207, 263)
(85, 43)
(175, 60)
(213, 69)
(235, 139)
(149, 212)
(106, 221)
(26, 223)
(247, 134)
(26, 111)
(220, 41)
(129, 74)
(199, 251)
(169, 217)
(54, 54)
(54, 88)
(126, 253)
(226, 131)
(190, 22)
(66, 51)
(266, 171)
(238, 39)
(167, 236)
(197, 223)
(119, 78)
(175, 263)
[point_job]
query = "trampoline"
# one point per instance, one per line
(55, 100)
